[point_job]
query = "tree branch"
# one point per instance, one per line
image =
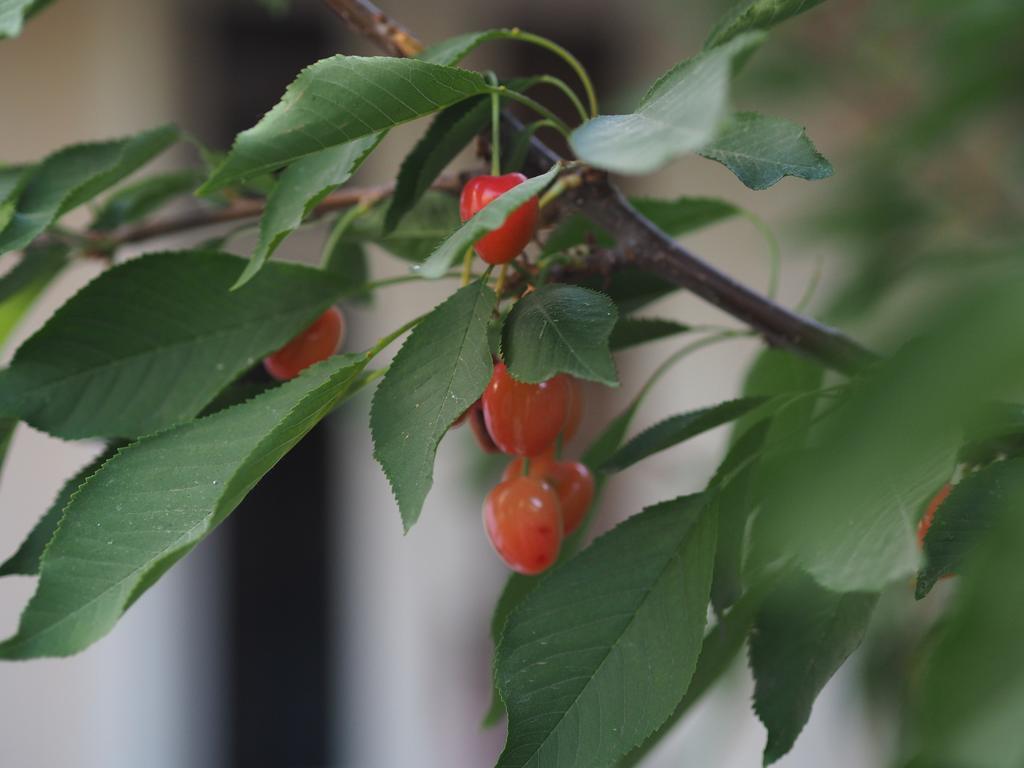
(640, 243)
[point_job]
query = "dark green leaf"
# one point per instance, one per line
(20, 287)
(155, 500)
(575, 230)
(677, 429)
(25, 562)
(749, 15)
(297, 192)
(962, 520)
(760, 150)
(680, 114)
(631, 331)
(441, 369)
(136, 201)
(597, 657)
(348, 262)
(450, 132)
(75, 175)
(487, 219)
(802, 635)
(970, 704)
(560, 329)
(341, 99)
(684, 214)
(420, 231)
(150, 342)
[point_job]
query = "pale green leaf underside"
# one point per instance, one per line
(487, 219)
(760, 150)
(12, 16)
(441, 369)
(303, 184)
(341, 99)
(598, 655)
(560, 329)
(677, 429)
(680, 114)
(150, 342)
(749, 15)
(155, 500)
(75, 175)
(801, 636)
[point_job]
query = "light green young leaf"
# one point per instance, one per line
(75, 175)
(677, 429)
(341, 99)
(441, 369)
(138, 200)
(560, 329)
(150, 342)
(487, 219)
(25, 561)
(586, 680)
(155, 500)
(20, 287)
(450, 132)
(747, 15)
(801, 636)
(680, 114)
(631, 331)
(760, 150)
(297, 192)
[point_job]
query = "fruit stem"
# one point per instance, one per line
(339, 228)
(499, 286)
(569, 92)
(526, 466)
(560, 186)
(495, 124)
(568, 58)
(774, 252)
(467, 267)
(556, 122)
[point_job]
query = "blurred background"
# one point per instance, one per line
(308, 631)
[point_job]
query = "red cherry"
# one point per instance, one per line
(571, 480)
(575, 410)
(507, 241)
(524, 523)
(929, 513)
(318, 342)
(524, 419)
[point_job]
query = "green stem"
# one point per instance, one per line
(556, 122)
(774, 252)
(568, 58)
(467, 266)
(521, 143)
(812, 285)
(386, 341)
(340, 227)
(569, 92)
(495, 125)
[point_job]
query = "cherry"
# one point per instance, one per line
(523, 520)
(524, 419)
(929, 513)
(507, 241)
(318, 342)
(571, 480)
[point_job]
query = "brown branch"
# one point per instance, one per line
(640, 243)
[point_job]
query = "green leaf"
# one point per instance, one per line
(75, 175)
(560, 329)
(684, 214)
(487, 219)
(136, 201)
(20, 287)
(680, 114)
(631, 331)
(598, 656)
(677, 429)
(341, 99)
(802, 635)
(299, 190)
(760, 150)
(450, 132)
(155, 500)
(441, 369)
(963, 519)
(25, 562)
(150, 342)
(747, 15)
(454, 49)
(970, 704)
(348, 262)
(13, 14)
(420, 231)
